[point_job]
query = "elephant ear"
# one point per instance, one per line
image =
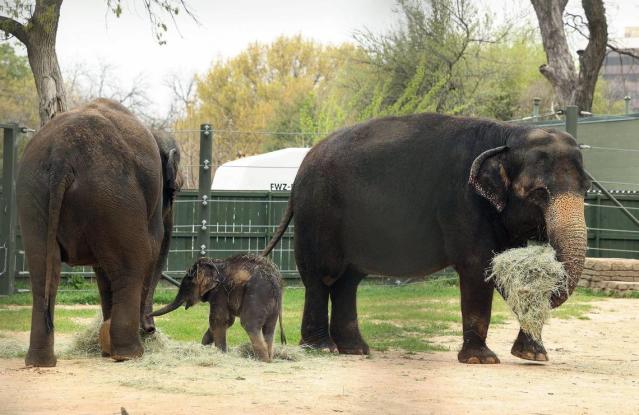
(488, 177)
(207, 277)
(172, 175)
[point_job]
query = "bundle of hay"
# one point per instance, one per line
(528, 277)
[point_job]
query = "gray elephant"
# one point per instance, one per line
(412, 195)
(245, 285)
(95, 187)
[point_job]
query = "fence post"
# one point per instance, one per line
(571, 120)
(204, 193)
(7, 279)
(626, 101)
(535, 109)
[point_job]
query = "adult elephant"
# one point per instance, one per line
(95, 187)
(411, 195)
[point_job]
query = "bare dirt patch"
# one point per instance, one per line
(594, 369)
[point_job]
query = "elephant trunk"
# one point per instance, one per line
(169, 307)
(566, 226)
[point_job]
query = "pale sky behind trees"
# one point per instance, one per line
(89, 34)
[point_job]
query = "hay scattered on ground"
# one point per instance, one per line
(161, 351)
(85, 343)
(11, 348)
(528, 277)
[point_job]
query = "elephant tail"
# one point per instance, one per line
(288, 215)
(58, 184)
(282, 334)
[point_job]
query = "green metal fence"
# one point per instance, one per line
(611, 233)
(222, 223)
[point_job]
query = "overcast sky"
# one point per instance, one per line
(89, 33)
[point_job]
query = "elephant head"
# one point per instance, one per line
(203, 277)
(539, 173)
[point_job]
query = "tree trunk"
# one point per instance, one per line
(572, 88)
(39, 36)
(591, 59)
(48, 79)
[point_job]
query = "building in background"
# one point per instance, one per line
(622, 71)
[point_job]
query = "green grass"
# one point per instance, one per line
(391, 317)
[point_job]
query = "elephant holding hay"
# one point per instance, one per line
(411, 195)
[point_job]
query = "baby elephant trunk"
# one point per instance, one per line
(169, 307)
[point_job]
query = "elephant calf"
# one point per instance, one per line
(245, 285)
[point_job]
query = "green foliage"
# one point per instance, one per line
(76, 281)
(18, 96)
(267, 87)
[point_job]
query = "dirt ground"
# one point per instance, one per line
(594, 369)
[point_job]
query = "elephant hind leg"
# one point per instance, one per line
(315, 330)
(344, 325)
(269, 332)
(254, 330)
(41, 342)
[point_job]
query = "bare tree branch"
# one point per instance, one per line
(10, 26)
(577, 27)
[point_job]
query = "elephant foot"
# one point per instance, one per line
(477, 354)
(147, 324)
(360, 349)
(324, 344)
(351, 343)
(528, 349)
(40, 358)
(122, 353)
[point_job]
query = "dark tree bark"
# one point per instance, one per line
(572, 87)
(39, 36)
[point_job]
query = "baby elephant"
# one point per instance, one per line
(246, 285)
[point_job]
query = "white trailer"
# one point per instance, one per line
(274, 171)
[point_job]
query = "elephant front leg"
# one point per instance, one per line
(476, 303)
(207, 338)
(525, 347)
(219, 337)
(106, 303)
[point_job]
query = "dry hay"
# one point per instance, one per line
(10, 347)
(161, 351)
(528, 277)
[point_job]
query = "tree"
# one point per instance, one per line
(267, 87)
(571, 86)
(35, 24)
(85, 84)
